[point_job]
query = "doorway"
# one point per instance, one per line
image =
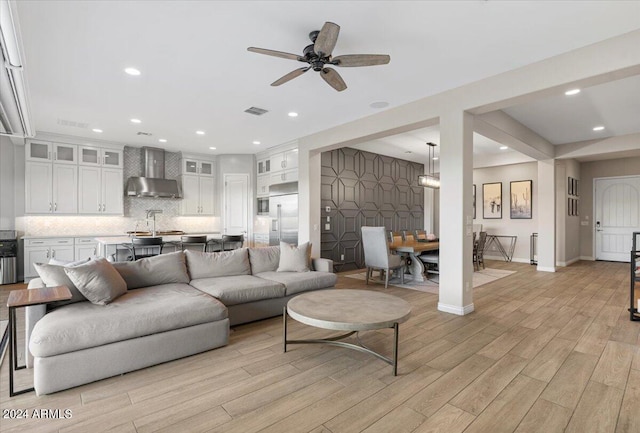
(236, 204)
(616, 216)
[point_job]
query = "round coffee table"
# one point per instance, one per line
(348, 310)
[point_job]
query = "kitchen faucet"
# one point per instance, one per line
(151, 214)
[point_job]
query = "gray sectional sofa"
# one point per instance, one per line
(175, 305)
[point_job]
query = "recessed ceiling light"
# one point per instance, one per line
(379, 104)
(407, 151)
(293, 114)
(435, 158)
(136, 121)
(504, 147)
(598, 128)
(572, 92)
(200, 132)
(162, 140)
(97, 130)
(132, 71)
(212, 148)
(256, 142)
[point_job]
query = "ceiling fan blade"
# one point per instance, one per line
(290, 76)
(333, 79)
(326, 40)
(361, 60)
(275, 53)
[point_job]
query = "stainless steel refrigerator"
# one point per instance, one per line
(283, 211)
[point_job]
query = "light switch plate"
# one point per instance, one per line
(327, 226)
(327, 209)
(584, 223)
(328, 219)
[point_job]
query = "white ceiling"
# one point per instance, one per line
(197, 74)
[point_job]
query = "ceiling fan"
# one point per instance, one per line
(318, 54)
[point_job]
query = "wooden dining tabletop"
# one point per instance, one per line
(414, 246)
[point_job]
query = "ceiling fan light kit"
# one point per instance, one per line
(430, 180)
(319, 54)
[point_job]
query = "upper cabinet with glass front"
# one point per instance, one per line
(197, 167)
(60, 153)
(98, 156)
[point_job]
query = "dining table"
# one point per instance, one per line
(413, 250)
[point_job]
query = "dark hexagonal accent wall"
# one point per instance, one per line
(363, 188)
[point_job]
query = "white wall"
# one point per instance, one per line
(7, 184)
(567, 226)
(522, 228)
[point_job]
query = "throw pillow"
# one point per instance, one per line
(58, 262)
(153, 271)
(222, 264)
(54, 275)
(294, 259)
(264, 259)
(98, 281)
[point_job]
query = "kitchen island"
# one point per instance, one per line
(115, 245)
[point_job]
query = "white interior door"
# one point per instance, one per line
(617, 215)
(236, 204)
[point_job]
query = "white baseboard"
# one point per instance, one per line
(454, 309)
(545, 269)
(501, 259)
(588, 258)
(570, 262)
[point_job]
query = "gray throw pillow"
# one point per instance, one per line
(294, 259)
(54, 275)
(153, 271)
(98, 281)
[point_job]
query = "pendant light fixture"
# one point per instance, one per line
(430, 180)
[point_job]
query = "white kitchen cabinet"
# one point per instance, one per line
(197, 195)
(197, 167)
(60, 153)
(100, 157)
(100, 191)
(284, 160)
(284, 177)
(262, 185)
(85, 248)
(51, 188)
(263, 166)
(44, 249)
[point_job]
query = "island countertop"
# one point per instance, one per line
(115, 240)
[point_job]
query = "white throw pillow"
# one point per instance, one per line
(294, 259)
(98, 281)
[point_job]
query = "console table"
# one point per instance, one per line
(495, 240)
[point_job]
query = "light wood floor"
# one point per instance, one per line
(544, 352)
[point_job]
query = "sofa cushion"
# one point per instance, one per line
(154, 271)
(294, 258)
(239, 289)
(296, 282)
(54, 275)
(97, 280)
(221, 264)
(137, 313)
(264, 259)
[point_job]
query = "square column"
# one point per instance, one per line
(456, 213)
(546, 244)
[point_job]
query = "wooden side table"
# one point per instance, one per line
(26, 298)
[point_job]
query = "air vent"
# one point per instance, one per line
(72, 123)
(256, 111)
(146, 134)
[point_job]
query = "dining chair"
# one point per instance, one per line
(431, 261)
(478, 251)
(377, 254)
(141, 248)
(394, 237)
(408, 236)
(232, 242)
(420, 235)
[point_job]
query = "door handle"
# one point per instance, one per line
(55, 207)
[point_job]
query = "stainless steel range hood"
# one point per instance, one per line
(153, 183)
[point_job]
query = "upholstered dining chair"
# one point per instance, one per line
(420, 235)
(408, 236)
(394, 236)
(478, 251)
(377, 255)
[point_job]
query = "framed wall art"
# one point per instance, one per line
(520, 199)
(492, 200)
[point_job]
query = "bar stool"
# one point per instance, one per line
(141, 248)
(232, 242)
(193, 241)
